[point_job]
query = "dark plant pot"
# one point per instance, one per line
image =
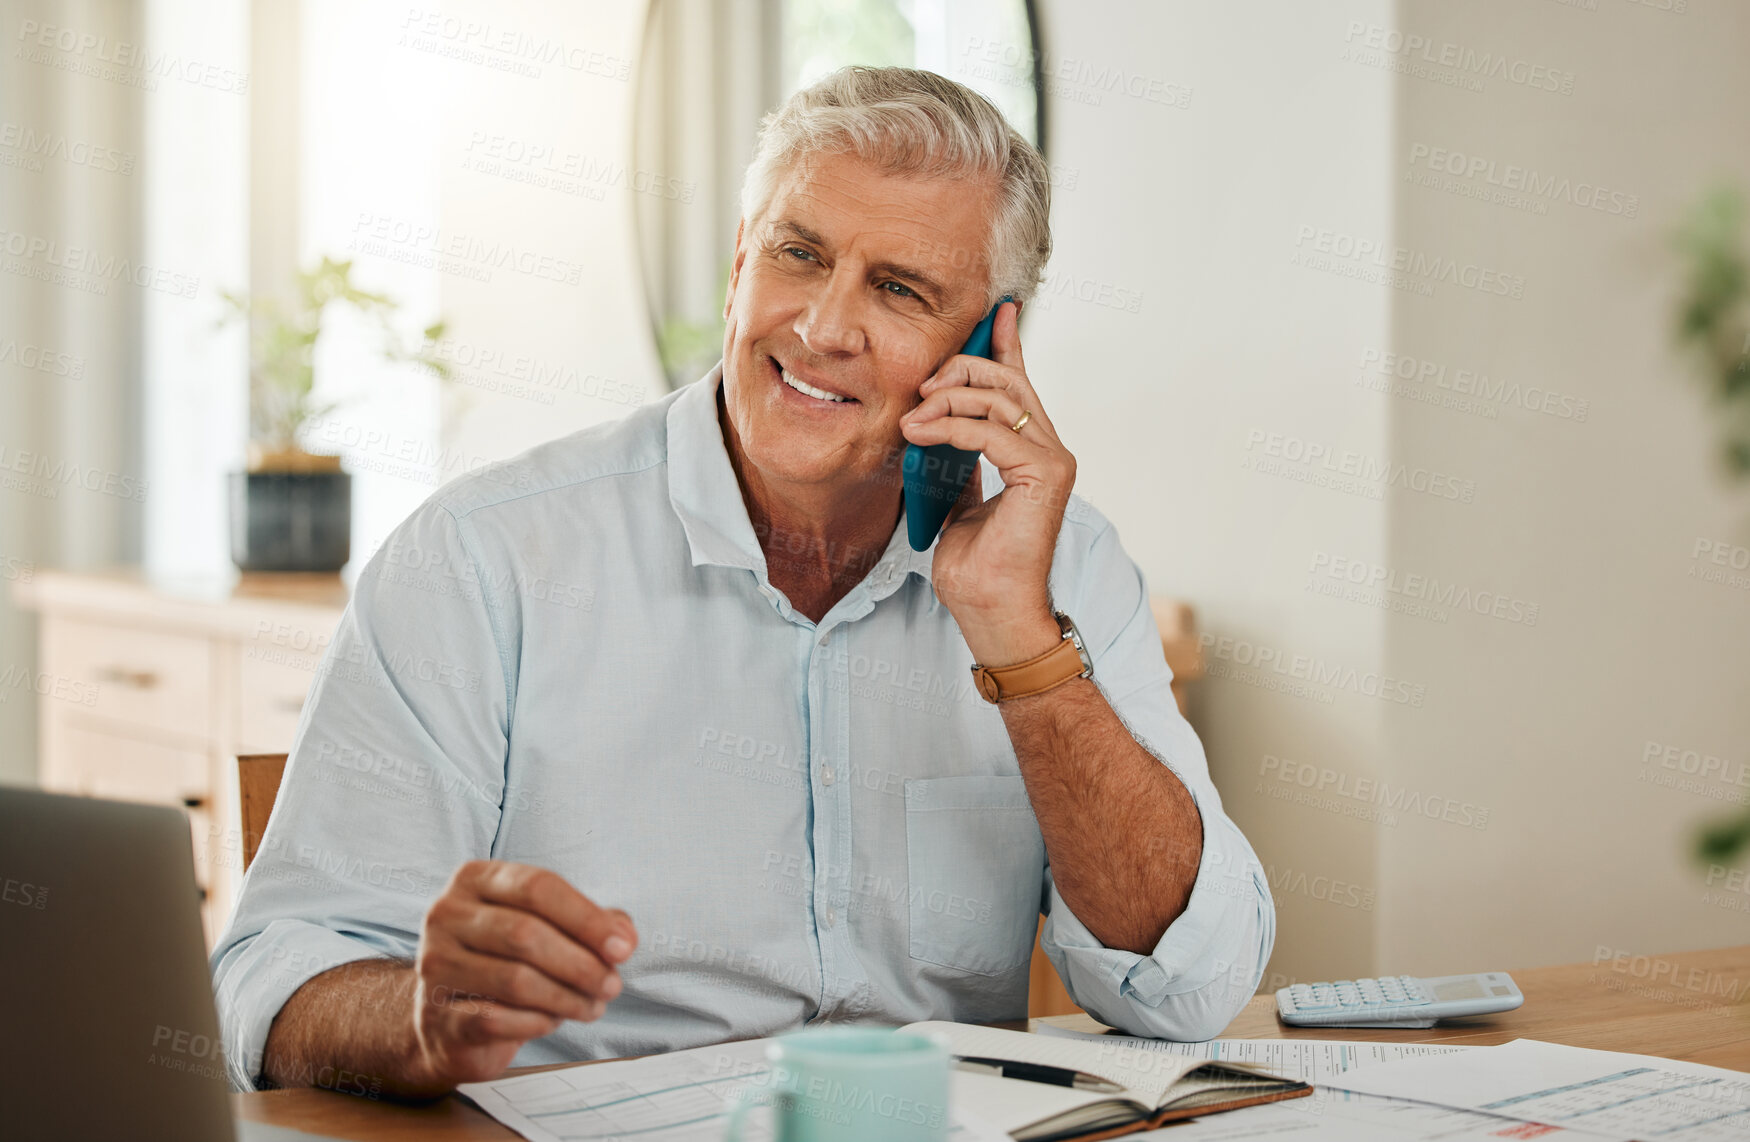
(291, 521)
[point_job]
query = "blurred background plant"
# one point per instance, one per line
(687, 347)
(282, 351)
(1713, 330)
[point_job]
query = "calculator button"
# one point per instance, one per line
(1413, 995)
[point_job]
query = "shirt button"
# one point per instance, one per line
(826, 775)
(825, 638)
(832, 917)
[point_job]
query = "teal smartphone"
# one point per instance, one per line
(935, 475)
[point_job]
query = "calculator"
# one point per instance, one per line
(1396, 1001)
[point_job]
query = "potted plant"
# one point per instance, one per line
(291, 509)
(1713, 327)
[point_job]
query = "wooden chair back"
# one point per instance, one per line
(258, 783)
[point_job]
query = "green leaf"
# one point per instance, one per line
(1712, 318)
(1722, 841)
(283, 346)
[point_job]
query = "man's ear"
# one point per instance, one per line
(735, 268)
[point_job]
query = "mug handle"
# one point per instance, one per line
(744, 1102)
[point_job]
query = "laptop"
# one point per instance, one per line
(109, 1025)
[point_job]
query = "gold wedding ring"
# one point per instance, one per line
(1022, 423)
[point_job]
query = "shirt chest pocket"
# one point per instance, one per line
(976, 864)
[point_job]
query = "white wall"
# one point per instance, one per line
(1530, 735)
(543, 163)
(1597, 521)
(1197, 208)
(371, 120)
(196, 212)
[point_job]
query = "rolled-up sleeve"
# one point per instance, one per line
(396, 777)
(1210, 959)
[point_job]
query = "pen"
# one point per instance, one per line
(1037, 1073)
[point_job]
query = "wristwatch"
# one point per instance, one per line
(1068, 659)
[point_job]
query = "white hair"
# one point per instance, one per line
(919, 123)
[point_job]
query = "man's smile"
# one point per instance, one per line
(813, 391)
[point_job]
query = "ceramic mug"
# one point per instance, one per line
(852, 1084)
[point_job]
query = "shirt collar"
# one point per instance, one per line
(705, 494)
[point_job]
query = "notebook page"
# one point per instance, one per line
(1146, 1074)
(1011, 1105)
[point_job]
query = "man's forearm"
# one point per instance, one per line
(1123, 835)
(351, 1029)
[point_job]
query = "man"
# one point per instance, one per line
(693, 734)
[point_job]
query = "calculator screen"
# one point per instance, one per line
(1459, 989)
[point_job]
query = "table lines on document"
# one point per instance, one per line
(1608, 1094)
(1642, 1099)
(1365, 1118)
(1312, 1061)
(671, 1098)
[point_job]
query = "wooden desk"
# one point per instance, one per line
(1698, 1009)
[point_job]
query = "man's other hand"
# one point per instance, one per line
(507, 954)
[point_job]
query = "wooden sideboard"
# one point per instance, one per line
(151, 690)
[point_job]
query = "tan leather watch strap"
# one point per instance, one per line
(1062, 663)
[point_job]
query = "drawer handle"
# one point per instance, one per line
(138, 679)
(289, 705)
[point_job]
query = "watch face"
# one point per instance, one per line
(1075, 636)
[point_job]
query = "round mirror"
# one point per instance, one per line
(712, 68)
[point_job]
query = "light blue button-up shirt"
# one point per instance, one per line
(575, 659)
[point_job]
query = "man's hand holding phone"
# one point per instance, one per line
(993, 561)
(507, 953)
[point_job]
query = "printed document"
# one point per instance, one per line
(683, 1096)
(1601, 1092)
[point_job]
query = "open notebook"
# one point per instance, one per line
(1159, 1087)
